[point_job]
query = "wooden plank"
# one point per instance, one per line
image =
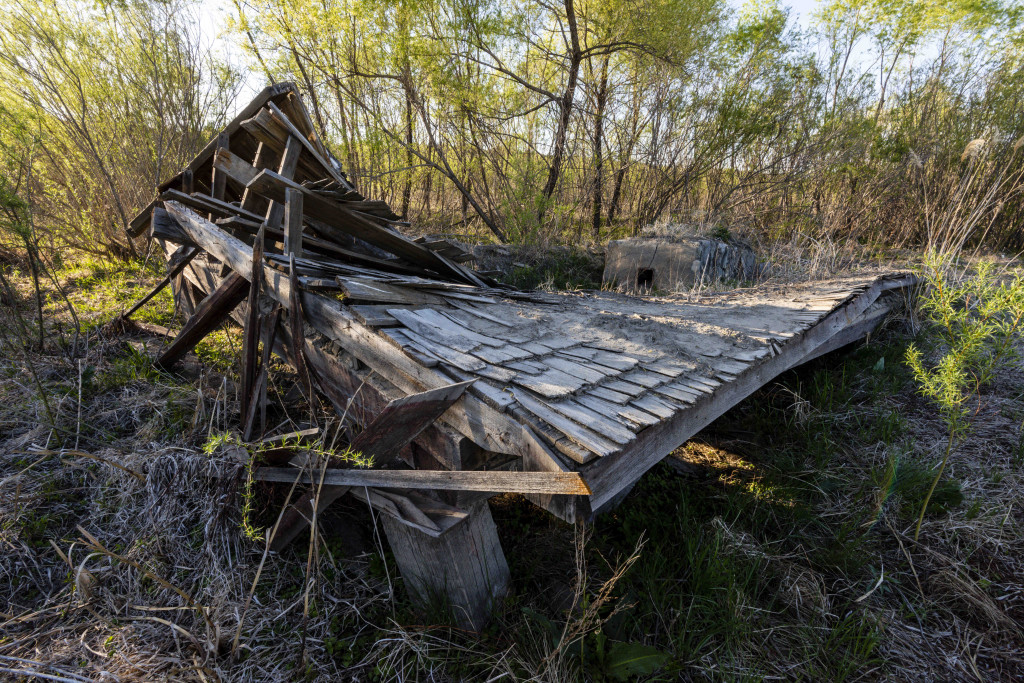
(377, 292)
(450, 326)
(592, 419)
(210, 313)
(623, 387)
(401, 421)
(607, 394)
(480, 313)
(177, 262)
(497, 373)
(286, 169)
(251, 329)
(420, 355)
(497, 481)
(529, 366)
(503, 355)
(644, 378)
(641, 418)
(677, 393)
(447, 355)
(551, 383)
(374, 315)
(293, 223)
(233, 166)
(585, 437)
(536, 348)
(588, 374)
(335, 215)
(218, 181)
(655, 406)
(665, 367)
(209, 204)
(449, 338)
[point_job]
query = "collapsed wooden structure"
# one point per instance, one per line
(464, 388)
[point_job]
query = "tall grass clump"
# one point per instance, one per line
(973, 322)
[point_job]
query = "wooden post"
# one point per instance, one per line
(218, 182)
(289, 162)
(250, 198)
(211, 312)
(293, 222)
(465, 566)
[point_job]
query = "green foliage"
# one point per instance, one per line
(975, 323)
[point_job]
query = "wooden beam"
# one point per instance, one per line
(210, 313)
(181, 258)
(336, 216)
(495, 481)
(399, 423)
(218, 180)
(289, 162)
(465, 566)
(293, 222)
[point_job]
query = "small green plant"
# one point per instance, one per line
(974, 322)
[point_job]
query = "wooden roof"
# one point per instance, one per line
(600, 383)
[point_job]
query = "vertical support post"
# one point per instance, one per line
(464, 566)
(293, 222)
(218, 183)
(218, 186)
(250, 198)
(289, 162)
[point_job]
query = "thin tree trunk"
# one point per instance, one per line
(407, 191)
(602, 100)
(564, 107)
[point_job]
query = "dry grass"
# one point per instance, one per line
(785, 549)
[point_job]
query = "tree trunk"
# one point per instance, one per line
(564, 108)
(602, 100)
(407, 191)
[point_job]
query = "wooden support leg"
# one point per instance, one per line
(465, 566)
(212, 311)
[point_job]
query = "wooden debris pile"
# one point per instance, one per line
(463, 387)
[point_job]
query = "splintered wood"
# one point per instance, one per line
(568, 398)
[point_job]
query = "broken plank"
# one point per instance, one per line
(447, 355)
(587, 374)
(400, 422)
(210, 313)
(578, 433)
(639, 417)
(655, 406)
(587, 417)
(377, 292)
(551, 383)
